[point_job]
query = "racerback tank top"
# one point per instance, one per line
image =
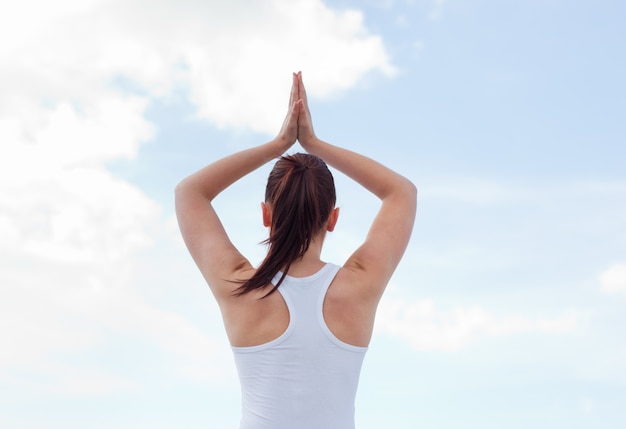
(306, 378)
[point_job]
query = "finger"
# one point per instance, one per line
(293, 95)
(295, 111)
(296, 84)
(301, 90)
(301, 109)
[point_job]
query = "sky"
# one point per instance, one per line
(508, 309)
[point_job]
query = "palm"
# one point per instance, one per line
(305, 124)
(289, 131)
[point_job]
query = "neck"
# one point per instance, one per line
(310, 262)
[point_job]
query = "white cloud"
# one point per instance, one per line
(425, 327)
(234, 58)
(613, 280)
(67, 226)
(76, 78)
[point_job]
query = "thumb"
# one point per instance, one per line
(297, 108)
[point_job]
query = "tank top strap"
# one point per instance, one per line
(329, 272)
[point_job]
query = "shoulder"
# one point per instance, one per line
(354, 284)
(224, 287)
(350, 307)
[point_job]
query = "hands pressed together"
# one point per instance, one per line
(297, 124)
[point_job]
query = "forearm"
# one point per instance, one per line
(370, 174)
(209, 181)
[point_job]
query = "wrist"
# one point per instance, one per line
(311, 144)
(279, 145)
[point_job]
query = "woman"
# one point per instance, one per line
(298, 327)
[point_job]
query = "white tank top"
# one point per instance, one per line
(306, 378)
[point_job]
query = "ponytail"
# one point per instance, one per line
(300, 192)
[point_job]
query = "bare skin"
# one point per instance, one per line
(351, 302)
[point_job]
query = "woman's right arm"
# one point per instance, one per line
(377, 258)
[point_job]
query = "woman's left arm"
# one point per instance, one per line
(205, 237)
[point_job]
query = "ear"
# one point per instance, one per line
(267, 215)
(332, 219)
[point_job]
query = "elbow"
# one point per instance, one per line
(414, 195)
(179, 190)
(404, 190)
(182, 192)
(188, 190)
(186, 186)
(410, 189)
(409, 195)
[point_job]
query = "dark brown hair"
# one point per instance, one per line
(300, 193)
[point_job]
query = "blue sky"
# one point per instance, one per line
(510, 117)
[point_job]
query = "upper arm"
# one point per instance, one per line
(207, 242)
(377, 258)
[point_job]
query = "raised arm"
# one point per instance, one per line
(205, 237)
(376, 259)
